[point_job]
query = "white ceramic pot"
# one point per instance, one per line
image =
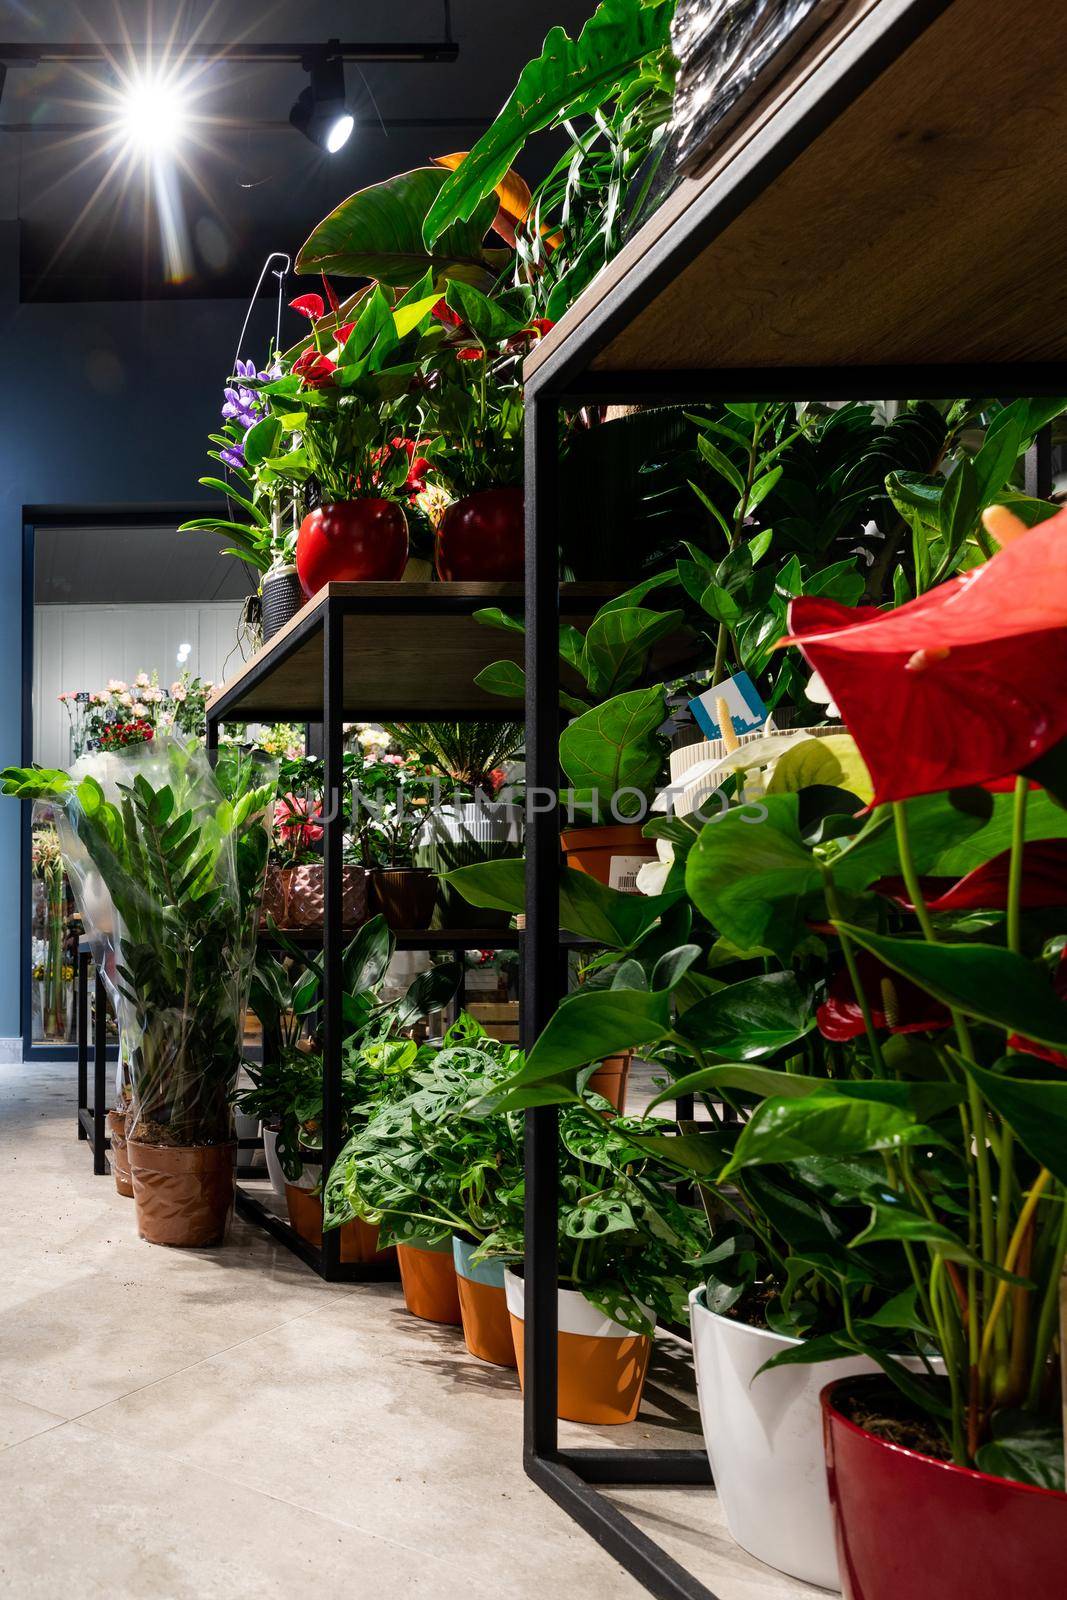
(764, 1442)
(308, 1179)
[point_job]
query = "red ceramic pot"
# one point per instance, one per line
(908, 1525)
(482, 536)
(354, 541)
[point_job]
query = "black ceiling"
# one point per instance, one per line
(254, 184)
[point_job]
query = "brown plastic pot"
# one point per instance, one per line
(592, 850)
(120, 1160)
(429, 1279)
(296, 896)
(183, 1193)
(359, 1239)
(610, 1079)
(405, 896)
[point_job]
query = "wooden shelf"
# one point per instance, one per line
(891, 203)
(410, 650)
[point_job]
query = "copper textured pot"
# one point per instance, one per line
(183, 1193)
(120, 1160)
(296, 896)
(352, 541)
(613, 854)
(908, 1525)
(482, 537)
(405, 896)
(610, 1079)
(359, 1240)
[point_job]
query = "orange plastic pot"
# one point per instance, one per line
(183, 1193)
(359, 1239)
(611, 854)
(120, 1159)
(483, 1306)
(428, 1276)
(610, 1079)
(602, 1365)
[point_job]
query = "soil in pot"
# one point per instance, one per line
(119, 1156)
(405, 896)
(482, 537)
(352, 541)
(183, 1193)
(613, 854)
(909, 1524)
(428, 1274)
(483, 1306)
(602, 1365)
(359, 1239)
(610, 1080)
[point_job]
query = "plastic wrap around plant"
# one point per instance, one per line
(166, 860)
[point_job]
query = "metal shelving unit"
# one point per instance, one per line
(367, 652)
(867, 230)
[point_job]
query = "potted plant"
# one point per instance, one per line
(182, 853)
(294, 895)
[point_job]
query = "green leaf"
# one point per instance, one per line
(833, 762)
(750, 1019)
(593, 1024)
(823, 1125)
(368, 956)
(377, 233)
(764, 1082)
(489, 321)
(262, 440)
(1034, 1109)
(586, 907)
(1025, 1449)
(504, 678)
(995, 985)
(894, 1221)
(617, 646)
(613, 747)
(571, 78)
(752, 876)
(493, 617)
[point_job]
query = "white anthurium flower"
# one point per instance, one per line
(819, 694)
(652, 877)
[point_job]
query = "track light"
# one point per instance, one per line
(151, 113)
(321, 111)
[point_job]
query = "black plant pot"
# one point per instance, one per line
(281, 599)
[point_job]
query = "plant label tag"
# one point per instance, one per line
(747, 711)
(622, 872)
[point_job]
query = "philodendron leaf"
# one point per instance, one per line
(1034, 1109)
(752, 1018)
(752, 875)
(992, 984)
(823, 1125)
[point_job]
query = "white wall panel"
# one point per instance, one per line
(81, 647)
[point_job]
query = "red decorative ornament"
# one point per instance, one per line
(482, 537)
(352, 541)
(959, 687)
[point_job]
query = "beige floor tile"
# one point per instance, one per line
(19, 1421)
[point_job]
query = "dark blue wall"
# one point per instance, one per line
(102, 405)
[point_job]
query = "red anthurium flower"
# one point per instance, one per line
(444, 313)
(314, 368)
(343, 333)
(1044, 882)
(335, 304)
(895, 1003)
(960, 686)
(418, 466)
(472, 353)
(308, 305)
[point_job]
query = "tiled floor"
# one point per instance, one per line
(182, 1425)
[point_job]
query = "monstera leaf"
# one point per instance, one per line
(377, 233)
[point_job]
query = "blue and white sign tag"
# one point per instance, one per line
(747, 711)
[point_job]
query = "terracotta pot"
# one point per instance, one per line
(909, 1525)
(120, 1160)
(482, 536)
(296, 896)
(281, 596)
(612, 854)
(610, 1079)
(183, 1193)
(359, 1239)
(428, 1274)
(602, 1365)
(352, 541)
(405, 896)
(483, 1306)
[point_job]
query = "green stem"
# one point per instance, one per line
(1048, 1316)
(1015, 867)
(849, 953)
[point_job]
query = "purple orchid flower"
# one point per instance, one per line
(241, 404)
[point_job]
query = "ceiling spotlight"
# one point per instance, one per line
(321, 111)
(151, 115)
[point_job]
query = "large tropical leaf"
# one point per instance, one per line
(613, 748)
(752, 875)
(753, 1018)
(377, 233)
(570, 78)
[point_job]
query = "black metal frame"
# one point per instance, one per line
(565, 377)
(92, 1119)
(328, 619)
